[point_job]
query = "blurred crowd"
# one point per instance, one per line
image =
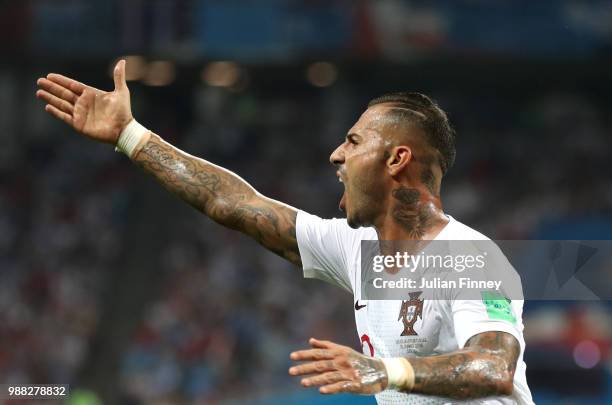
(62, 218)
(229, 312)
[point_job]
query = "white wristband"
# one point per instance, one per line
(130, 137)
(400, 374)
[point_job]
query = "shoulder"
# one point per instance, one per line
(497, 266)
(329, 244)
(467, 239)
(339, 227)
(459, 231)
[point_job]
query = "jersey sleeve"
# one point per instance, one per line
(325, 246)
(493, 312)
(475, 311)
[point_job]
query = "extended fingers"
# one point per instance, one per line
(340, 386)
(314, 367)
(67, 118)
(322, 344)
(57, 102)
(68, 83)
(324, 379)
(312, 354)
(57, 90)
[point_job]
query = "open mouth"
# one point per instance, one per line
(342, 203)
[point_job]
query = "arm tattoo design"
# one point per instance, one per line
(371, 372)
(223, 196)
(485, 367)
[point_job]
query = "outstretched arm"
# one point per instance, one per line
(484, 367)
(222, 195)
(219, 193)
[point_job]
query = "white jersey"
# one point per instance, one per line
(331, 251)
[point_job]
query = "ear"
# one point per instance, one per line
(400, 157)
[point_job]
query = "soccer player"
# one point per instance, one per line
(391, 164)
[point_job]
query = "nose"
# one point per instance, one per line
(337, 156)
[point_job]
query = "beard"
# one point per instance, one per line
(364, 194)
(362, 209)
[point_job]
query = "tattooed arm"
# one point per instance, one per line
(484, 367)
(220, 194)
(223, 196)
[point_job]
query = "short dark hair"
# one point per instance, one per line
(419, 108)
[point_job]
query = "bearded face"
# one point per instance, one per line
(362, 169)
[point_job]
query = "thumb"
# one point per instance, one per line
(119, 75)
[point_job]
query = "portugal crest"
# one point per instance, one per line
(410, 311)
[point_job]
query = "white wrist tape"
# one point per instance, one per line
(131, 137)
(400, 374)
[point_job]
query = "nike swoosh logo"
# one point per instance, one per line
(358, 307)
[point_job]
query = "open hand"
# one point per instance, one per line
(97, 114)
(336, 368)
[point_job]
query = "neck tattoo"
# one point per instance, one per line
(413, 216)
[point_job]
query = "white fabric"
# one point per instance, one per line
(130, 137)
(400, 373)
(331, 251)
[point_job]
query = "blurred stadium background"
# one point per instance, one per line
(111, 285)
